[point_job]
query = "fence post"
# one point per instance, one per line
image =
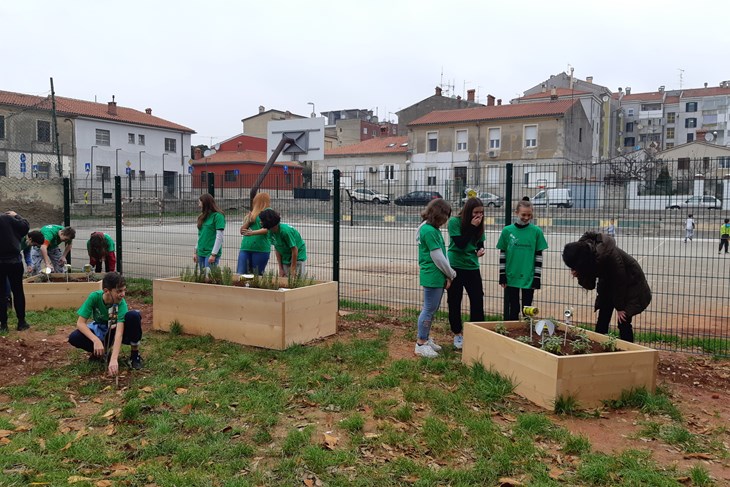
(507, 221)
(336, 229)
(118, 219)
(67, 208)
(211, 184)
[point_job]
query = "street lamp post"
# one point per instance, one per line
(139, 172)
(314, 112)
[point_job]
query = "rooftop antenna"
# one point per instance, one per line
(681, 77)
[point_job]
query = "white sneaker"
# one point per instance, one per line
(458, 342)
(430, 343)
(425, 350)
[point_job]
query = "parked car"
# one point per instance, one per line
(417, 198)
(709, 202)
(489, 199)
(560, 197)
(368, 195)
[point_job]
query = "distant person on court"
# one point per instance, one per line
(466, 245)
(689, 227)
(621, 282)
(13, 229)
(289, 246)
(435, 273)
(611, 228)
(211, 223)
(724, 235)
(255, 245)
(520, 259)
(105, 323)
(101, 248)
(48, 254)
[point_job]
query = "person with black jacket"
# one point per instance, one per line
(13, 228)
(621, 282)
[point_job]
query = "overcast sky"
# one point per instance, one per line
(208, 64)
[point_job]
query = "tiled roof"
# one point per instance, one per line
(270, 110)
(496, 112)
(378, 145)
(560, 92)
(244, 156)
(654, 96)
(82, 108)
(697, 92)
(671, 99)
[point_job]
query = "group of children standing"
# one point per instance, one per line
(594, 260)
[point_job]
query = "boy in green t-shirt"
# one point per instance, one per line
(104, 323)
(46, 251)
(289, 247)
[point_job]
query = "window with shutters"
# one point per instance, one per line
(530, 135)
(461, 139)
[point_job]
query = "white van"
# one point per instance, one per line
(558, 197)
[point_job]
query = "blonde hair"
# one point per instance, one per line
(260, 202)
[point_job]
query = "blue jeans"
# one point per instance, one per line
(250, 261)
(203, 261)
(431, 302)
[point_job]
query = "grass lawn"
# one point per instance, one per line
(342, 412)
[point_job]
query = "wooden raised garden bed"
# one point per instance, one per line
(543, 377)
(59, 293)
(265, 318)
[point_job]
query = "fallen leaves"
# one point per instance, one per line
(180, 391)
(330, 441)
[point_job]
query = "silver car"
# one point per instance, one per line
(369, 196)
(709, 202)
(489, 199)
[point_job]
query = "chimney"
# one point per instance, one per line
(470, 95)
(543, 88)
(458, 98)
(661, 89)
(261, 109)
(112, 109)
(628, 90)
(197, 154)
(148, 111)
(490, 101)
(705, 84)
(553, 94)
(287, 115)
(499, 102)
(589, 79)
(620, 89)
(438, 91)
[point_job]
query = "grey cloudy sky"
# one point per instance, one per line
(208, 64)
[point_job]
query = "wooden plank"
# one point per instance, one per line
(43, 295)
(310, 315)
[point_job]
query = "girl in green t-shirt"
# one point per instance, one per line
(211, 223)
(255, 245)
(435, 272)
(520, 259)
(466, 245)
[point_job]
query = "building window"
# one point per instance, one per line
(690, 123)
(44, 131)
(495, 136)
(683, 163)
(630, 112)
(710, 119)
(3, 169)
(671, 117)
(629, 141)
(170, 145)
(691, 106)
(389, 172)
(705, 163)
(359, 174)
(530, 136)
(203, 177)
(431, 181)
(140, 139)
(103, 173)
(230, 176)
(723, 162)
(102, 137)
(690, 137)
(433, 143)
(461, 137)
(2, 127)
(629, 126)
(365, 130)
(580, 134)
(670, 132)
(670, 145)
(130, 138)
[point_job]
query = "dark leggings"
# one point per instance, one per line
(132, 333)
(723, 243)
(605, 304)
(513, 301)
(13, 273)
(471, 280)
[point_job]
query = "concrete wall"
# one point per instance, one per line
(40, 201)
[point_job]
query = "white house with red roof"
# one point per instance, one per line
(96, 141)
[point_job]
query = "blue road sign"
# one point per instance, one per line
(22, 158)
(286, 169)
(129, 170)
(87, 166)
(35, 167)
(22, 166)
(190, 169)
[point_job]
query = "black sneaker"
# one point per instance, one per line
(135, 362)
(23, 326)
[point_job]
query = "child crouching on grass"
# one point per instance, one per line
(111, 324)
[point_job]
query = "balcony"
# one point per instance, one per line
(644, 114)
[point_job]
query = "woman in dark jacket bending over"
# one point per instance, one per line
(621, 282)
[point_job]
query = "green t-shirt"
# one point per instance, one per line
(50, 233)
(256, 243)
(206, 234)
(430, 238)
(94, 307)
(520, 245)
(110, 246)
(285, 239)
(465, 258)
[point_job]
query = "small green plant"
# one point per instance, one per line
(215, 275)
(227, 276)
(176, 328)
(610, 344)
(553, 344)
(524, 339)
(501, 329)
(566, 405)
(581, 343)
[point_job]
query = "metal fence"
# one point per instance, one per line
(374, 253)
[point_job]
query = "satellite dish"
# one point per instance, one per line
(217, 147)
(709, 137)
(639, 126)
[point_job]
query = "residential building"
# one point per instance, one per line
(437, 101)
(456, 148)
(686, 162)
(351, 126)
(256, 125)
(96, 141)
